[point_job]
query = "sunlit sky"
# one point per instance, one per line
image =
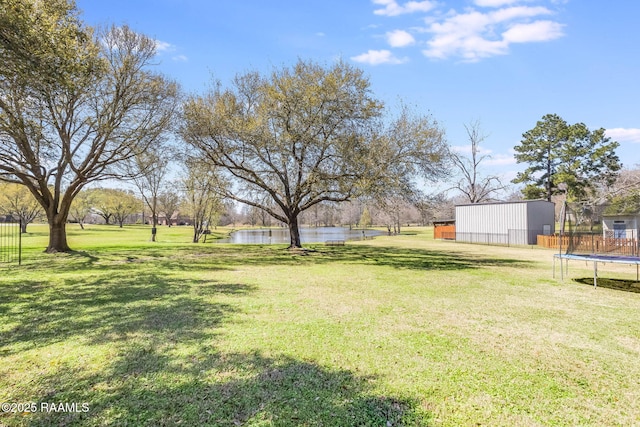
(503, 63)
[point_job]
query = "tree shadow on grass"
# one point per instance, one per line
(164, 365)
(615, 284)
(226, 257)
(233, 389)
(110, 307)
(416, 259)
(230, 257)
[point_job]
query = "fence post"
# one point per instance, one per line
(20, 242)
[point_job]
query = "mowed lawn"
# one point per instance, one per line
(400, 330)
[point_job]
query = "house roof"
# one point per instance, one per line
(444, 222)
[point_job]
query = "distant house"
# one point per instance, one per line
(163, 220)
(176, 219)
(505, 223)
(7, 218)
(620, 226)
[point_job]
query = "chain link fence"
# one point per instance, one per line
(510, 238)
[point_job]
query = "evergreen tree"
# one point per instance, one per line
(565, 159)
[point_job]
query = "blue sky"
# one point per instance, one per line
(504, 63)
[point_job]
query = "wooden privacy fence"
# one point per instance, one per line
(552, 241)
(591, 244)
(447, 232)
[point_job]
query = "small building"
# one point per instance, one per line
(444, 229)
(505, 223)
(8, 218)
(620, 226)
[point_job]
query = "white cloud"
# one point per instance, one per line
(164, 46)
(377, 57)
(462, 35)
(538, 31)
(511, 13)
(494, 3)
(624, 134)
(474, 35)
(392, 8)
(500, 160)
(484, 30)
(400, 38)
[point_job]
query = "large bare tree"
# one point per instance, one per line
(73, 104)
(473, 184)
(304, 135)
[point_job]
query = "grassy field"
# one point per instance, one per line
(400, 330)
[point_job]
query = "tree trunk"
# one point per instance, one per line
(294, 234)
(57, 235)
(154, 225)
(23, 226)
(549, 177)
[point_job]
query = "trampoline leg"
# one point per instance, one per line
(595, 274)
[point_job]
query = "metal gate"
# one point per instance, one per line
(10, 242)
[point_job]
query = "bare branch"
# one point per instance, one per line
(89, 104)
(475, 186)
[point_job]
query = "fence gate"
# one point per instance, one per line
(10, 242)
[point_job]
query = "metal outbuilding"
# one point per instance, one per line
(505, 223)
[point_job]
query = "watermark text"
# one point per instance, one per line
(46, 407)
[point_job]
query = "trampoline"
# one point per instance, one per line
(595, 259)
(597, 234)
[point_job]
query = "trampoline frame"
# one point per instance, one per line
(595, 259)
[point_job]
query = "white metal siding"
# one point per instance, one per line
(505, 223)
(491, 218)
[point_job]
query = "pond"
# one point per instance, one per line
(307, 235)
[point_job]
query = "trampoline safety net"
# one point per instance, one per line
(600, 229)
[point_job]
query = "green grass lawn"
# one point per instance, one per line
(400, 330)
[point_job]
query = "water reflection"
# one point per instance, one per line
(307, 235)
